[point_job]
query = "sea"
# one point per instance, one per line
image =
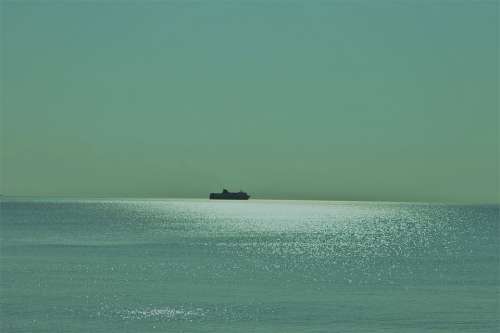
(186, 265)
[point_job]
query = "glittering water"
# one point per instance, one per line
(257, 266)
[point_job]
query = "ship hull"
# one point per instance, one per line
(229, 196)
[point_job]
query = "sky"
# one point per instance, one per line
(327, 100)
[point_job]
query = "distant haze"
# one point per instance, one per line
(337, 100)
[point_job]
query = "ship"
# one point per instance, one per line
(226, 195)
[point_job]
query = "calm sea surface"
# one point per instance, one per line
(253, 266)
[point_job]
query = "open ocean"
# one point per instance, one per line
(247, 266)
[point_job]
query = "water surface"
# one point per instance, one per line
(247, 266)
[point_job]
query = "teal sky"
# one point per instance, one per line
(340, 100)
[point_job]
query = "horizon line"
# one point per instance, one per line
(78, 197)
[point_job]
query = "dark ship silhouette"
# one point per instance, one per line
(226, 195)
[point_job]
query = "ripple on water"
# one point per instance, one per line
(164, 313)
(196, 313)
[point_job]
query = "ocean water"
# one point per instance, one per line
(247, 266)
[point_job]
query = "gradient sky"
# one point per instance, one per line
(341, 100)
